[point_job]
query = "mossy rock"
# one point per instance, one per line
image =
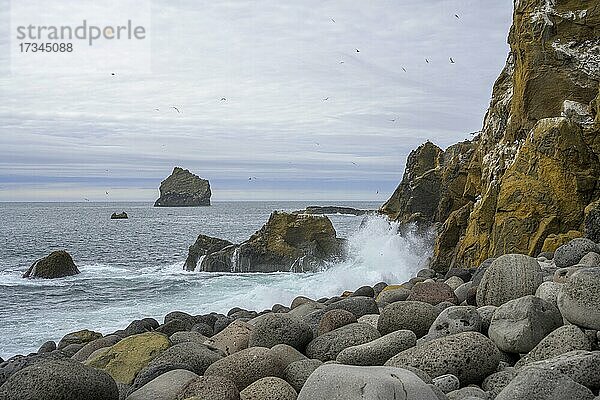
(553, 242)
(125, 359)
(57, 264)
(80, 337)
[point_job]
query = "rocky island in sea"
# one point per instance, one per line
(508, 309)
(183, 189)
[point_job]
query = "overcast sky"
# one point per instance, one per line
(75, 136)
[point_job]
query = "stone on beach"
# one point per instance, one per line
(269, 388)
(327, 347)
(272, 329)
(579, 298)
(413, 315)
(378, 351)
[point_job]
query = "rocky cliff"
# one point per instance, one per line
(183, 189)
(523, 184)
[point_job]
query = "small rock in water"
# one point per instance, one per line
(58, 264)
(121, 215)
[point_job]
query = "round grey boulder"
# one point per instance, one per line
(497, 381)
(549, 291)
(579, 298)
(416, 316)
(346, 382)
(470, 356)
(197, 357)
(591, 259)
(92, 346)
(286, 355)
(272, 329)
(269, 388)
(433, 293)
(581, 366)
(519, 325)
(165, 386)
(359, 306)
(378, 351)
(59, 379)
(447, 383)
(509, 277)
(246, 366)
(393, 295)
(209, 388)
(327, 347)
(570, 253)
(561, 340)
(334, 319)
(298, 372)
(455, 319)
(540, 384)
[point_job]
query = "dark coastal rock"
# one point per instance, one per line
(139, 326)
(378, 351)
(519, 325)
(470, 356)
(17, 363)
(393, 295)
(363, 291)
(196, 357)
(165, 386)
(80, 337)
(150, 373)
(203, 246)
(121, 215)
(570, 253)
(509, 277)
(46, 347)
(358, 306)
(187, 336)
(59, 379)
(175, 325)
(592, 220)
(543, 384)
(209, 388)
(233, 338)
(286, 355)
(203, 329)
(561, 340)
(581, 366)
(432, 293)
(287, 242)
(94, 345)
(272, 329)
(334, 319)
(579, 298)
(57, 264)
(246, 366)
(348, 382)
(412, 315)
(320, 210)
(183, 189)
(327, 347)
(269, 388)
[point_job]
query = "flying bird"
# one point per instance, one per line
(112, 74)
(156, 109)
(333, 20)
(427, 61)
(341, 62)
(452, 61)
(176, 109)
(326, 98)
(86, 199)
(456, 15)
(403, 69)
(393, 120)
(355, 164)
(107, 193)
(223, 99)
(357, 50)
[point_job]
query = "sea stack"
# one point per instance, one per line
(57, 264)
(183, 189)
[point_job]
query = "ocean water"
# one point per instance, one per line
(133, 268)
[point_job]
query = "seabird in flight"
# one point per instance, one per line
(176, 109)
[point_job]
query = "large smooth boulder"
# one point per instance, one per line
(165, 386)
(17, 363)
(412, 315)
(509, 277)
(580, 365)
(334, 319)
(378, 351)
(94, 345)
(59, 379)
(286, 355)
(327, 347)
(297, 373)
(209, 388)
(569, 254)
(579, 298)
(519, 325)
(432, 293)
(125, 359)
(346, 382)
(549, 291)
(80, 337)
(455, 319)
(183, 189)
(540, 384)
(233, 338)
(359, 306)
(272, 329)
(246, 366)
(203, 246)
(287, 242)
(561, 340)
(269, 388)
(470, 356)
(57, 264)
(196, 357)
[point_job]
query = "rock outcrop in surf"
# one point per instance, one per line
(183, 189)
(57, 264)
(287, 242)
